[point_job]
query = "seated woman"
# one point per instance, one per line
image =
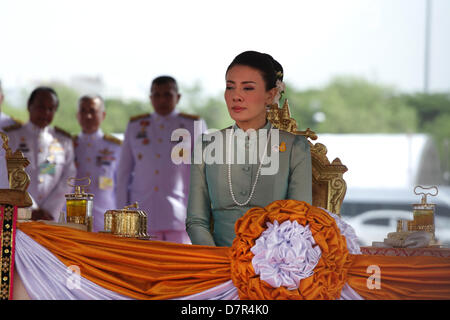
(223, 192)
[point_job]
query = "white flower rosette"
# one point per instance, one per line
(290, 250)
(285, 254)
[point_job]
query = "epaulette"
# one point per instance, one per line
(189, 116)
(63, 132)
(112, 139)
(140, 116)
(17, 120)
(12, 127)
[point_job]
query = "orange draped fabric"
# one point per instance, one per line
(162, 270)
(401, 278)
(135, 268)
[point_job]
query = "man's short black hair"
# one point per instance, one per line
(42, 89)
(92, 97)
(163, 80)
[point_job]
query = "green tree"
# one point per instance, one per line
(118, 113)
(212, 109)
(352, 105)
(65, 116)
(428, 106)
(19, 113)
(434, 118)
(303, 105)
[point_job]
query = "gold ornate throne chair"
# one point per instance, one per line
(19, 180)
(328, 184)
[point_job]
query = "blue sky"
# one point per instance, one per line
(128, 43)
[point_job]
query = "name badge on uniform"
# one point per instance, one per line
(23, 147)
(105, 183)
(47, 168)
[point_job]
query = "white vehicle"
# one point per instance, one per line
(374, 225)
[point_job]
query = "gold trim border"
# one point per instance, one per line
(8, 217)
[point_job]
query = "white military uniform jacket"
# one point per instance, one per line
(148, 175)
(51, 156)
(6, 120)
(4, 183)
(97, 156)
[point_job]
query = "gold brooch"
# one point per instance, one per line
(282, 147)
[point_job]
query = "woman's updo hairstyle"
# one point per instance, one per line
(270, 69)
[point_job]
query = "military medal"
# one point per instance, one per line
(141, 134)
(144, 123)
(105, 157)
(55, 147)
(47, 168)
(23, 145)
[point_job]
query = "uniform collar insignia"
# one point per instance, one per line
(97, 134)
(35, 130)
(158, 117)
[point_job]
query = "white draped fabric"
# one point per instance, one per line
(348, 232)
(47, 278)
(225, 291)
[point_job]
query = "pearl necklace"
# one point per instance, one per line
(230, 185)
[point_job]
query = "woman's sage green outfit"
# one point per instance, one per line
(210, 197)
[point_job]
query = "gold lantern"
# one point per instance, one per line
(80, 204)
(424, 212)
(127, 222)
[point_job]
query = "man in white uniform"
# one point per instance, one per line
(96, 156)
(4, 183)
(50, 152)
(5, 120)
(146, 172)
